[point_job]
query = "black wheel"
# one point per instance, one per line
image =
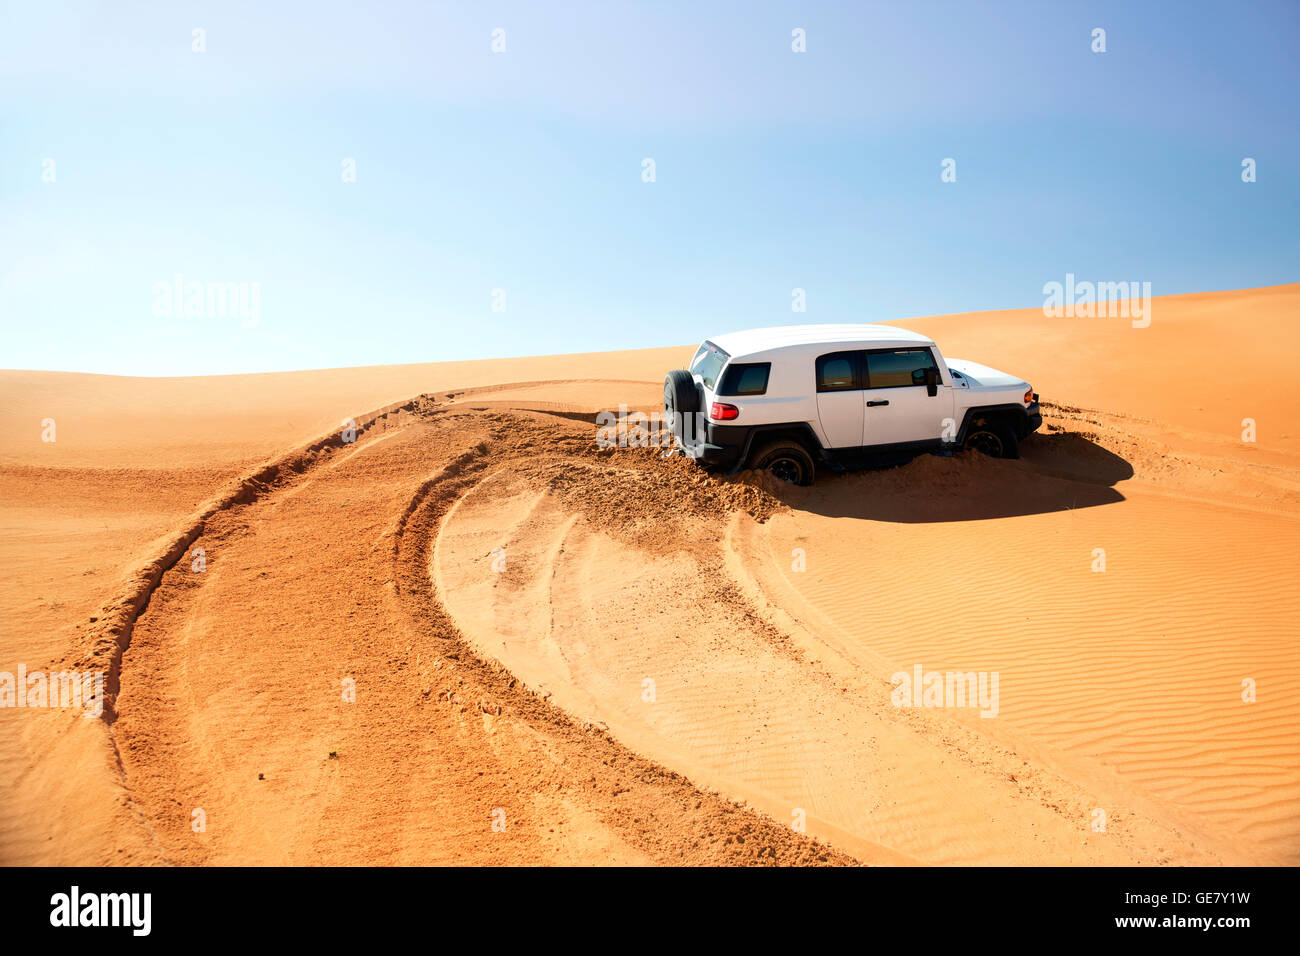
(787, 461)
(992, 439)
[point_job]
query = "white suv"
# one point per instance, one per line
(788, 398)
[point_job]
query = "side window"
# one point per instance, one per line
(838, 372)
(745, 378)
(896, 368)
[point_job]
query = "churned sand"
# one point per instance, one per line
(473, 636)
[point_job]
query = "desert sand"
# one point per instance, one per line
(472, 636)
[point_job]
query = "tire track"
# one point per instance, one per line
(104, 644)
(442, 732)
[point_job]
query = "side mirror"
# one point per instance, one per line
(930, 378)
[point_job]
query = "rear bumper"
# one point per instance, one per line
(722, 445)
(715, 456)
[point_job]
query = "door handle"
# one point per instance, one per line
(873, 404)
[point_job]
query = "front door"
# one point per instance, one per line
(898, 406)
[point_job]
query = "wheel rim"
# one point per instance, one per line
(786, 469)
(986, 443)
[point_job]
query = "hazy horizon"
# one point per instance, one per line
(592, 351)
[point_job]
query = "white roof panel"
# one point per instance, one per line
(753, 341)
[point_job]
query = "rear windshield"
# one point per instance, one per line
(708, 363)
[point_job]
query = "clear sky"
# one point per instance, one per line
(522, 170)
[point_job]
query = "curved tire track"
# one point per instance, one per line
(441, 728)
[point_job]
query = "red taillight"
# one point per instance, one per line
(1029, 397)
(722, 412)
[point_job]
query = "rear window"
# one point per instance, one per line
(837, 372)
(895, 368)
(708, 363)
(745, 378)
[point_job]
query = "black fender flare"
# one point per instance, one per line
(801, 432)
(1017, 413)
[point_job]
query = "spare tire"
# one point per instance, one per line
(681, 402)
(680, 392)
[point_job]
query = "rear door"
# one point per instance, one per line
(898, 407)
(839, 399)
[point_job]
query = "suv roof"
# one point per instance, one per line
(754, 342)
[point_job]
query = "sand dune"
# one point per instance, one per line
(616, 658)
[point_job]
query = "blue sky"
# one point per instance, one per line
(522, 170)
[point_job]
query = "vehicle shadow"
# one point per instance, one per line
(1060, 472)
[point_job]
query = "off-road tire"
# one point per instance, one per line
(993, 439)
(787, 461)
